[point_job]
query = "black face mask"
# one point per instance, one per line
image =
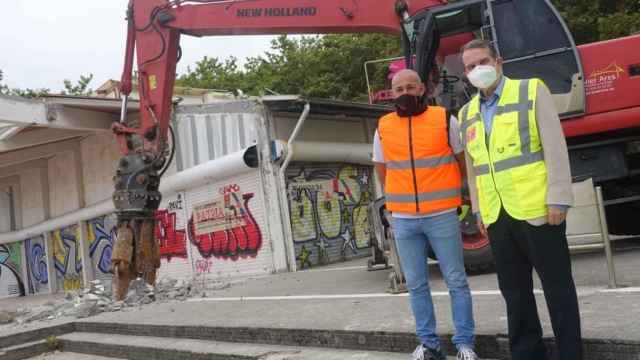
(410, 105)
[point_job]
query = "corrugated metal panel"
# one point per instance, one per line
(206, 133)
(235, 240)
(37, 276)
(328, 205)
(171, 225)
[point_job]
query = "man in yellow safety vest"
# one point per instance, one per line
(520, 186)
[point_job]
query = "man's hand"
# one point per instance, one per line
(557, 215)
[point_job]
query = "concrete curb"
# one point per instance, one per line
(36, 335)
(142, 353)
(487, 346)
(24, 351)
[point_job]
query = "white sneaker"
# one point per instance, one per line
(466, 353)
(418, 353)
(424, 353)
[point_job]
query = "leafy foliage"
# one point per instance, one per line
(80, 89)
(328, 66)
(331, 66)
(597, 20)
(30, 93)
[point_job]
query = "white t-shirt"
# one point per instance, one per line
(456, 146)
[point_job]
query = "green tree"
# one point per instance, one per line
(597, 20)
(3, 87)
(29, 93)
(328, 66)
(81, 88)
(211, 73)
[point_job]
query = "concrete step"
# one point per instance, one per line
(59, 355)
(378, 341)
(24, 350)
(161, 348)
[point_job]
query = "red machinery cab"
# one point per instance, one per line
(530, 36)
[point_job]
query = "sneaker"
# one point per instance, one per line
(466, 353)
(424, 353)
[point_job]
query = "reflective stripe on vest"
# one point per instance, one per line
(421, 163)
(428, 196)
(422, 172)
(505, 175)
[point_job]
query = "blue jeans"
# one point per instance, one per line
(441, 233)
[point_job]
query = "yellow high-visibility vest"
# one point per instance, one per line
(509, 165)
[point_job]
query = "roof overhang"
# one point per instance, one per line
(31, 122)
(325, 107)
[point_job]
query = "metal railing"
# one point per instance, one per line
(605, 242)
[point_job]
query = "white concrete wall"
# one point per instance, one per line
(5, 210)
(34, 205)
(100, 157)
(63, 184)
(317, 129)
(8, 183)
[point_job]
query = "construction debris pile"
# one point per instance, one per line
(97, 298)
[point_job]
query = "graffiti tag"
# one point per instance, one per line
(204, 266)
(225, 228)
(172, 241)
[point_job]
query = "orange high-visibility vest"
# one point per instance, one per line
(422, 173)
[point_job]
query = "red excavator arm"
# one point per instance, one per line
(155, 26)
(154, 30)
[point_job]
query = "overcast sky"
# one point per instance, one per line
(43, 42)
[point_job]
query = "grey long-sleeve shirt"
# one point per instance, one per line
(556, 157)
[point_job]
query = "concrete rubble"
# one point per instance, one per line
(97, 298)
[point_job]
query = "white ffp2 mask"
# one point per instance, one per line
(483, 76)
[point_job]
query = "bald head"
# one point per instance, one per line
(407, 82)
(406, 74)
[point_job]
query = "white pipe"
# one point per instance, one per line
(292, 138)
(353, 153)
(224, 167)
(210, 171)
(284, 202)
(71, 218)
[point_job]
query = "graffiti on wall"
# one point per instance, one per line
(102, 236)
(204, 266)
(224, 227)
(37, 276)
(11, 283)
(329, 212)
(66, 258)
(171, 240)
